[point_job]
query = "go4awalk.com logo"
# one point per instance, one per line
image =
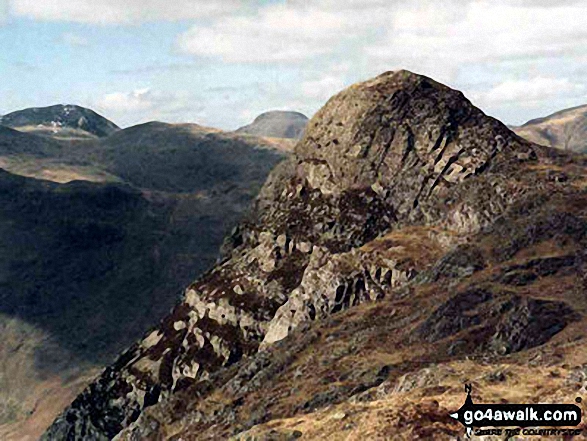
(527, 419)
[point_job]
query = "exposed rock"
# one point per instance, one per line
(399, 189)
(499, 321)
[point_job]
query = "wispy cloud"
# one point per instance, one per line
(146, 104)
(532, 91)
(137, 100)
(156, 68)
(322, 88)
(121, 11)
(283, 34)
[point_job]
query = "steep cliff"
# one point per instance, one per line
(407, 231)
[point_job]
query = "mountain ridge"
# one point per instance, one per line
(391, 180)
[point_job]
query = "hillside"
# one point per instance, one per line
(155, 156)
(565, 130)
(60, 121)
(90, 261)
(181, 158)
(277, 124)
(13, 142)
(411, 244)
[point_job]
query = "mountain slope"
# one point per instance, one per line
(60, 121)
(181, 158)
(89, 266)
(409, 232)
(86, 266)
(277, 124)
(41, 157)
(13, 142)
(566, 130)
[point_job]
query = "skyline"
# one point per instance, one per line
(221, 63)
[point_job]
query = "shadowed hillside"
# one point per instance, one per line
(86, 265)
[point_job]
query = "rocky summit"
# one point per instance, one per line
(411, 244)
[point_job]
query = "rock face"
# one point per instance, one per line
(565, 130)
(60, 121)
(277, 124)
(404, 232)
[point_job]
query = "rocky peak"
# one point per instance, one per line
(392, 175)
(400, 141)
(374, 133)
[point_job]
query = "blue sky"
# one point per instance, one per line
(221, 62)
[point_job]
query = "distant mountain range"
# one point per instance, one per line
(277, 124)
(565, 129)
(60, 121)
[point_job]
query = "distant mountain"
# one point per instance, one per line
(60, 121)
(566, 129)
(184, 157)
(277, 124)
(86, 267)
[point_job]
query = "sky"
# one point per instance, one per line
(220, 63)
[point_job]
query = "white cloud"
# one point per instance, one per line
(435, 38)
(506, 54)
(322, 88)
(141, 99)
(492, 50)
(440, 39)
(276, 34)
(121, 11)
(146, 104)
(531, 91)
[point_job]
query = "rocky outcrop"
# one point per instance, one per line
(390, 182)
